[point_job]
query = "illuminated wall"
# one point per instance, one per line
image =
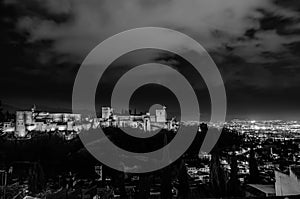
(286, 184)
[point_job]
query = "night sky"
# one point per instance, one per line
(255, 44)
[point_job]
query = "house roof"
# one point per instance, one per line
(268, 189)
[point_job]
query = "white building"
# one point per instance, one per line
(106, 112)
(287, 184)
(20, 130)
(161, 115)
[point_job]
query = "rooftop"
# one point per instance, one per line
(268, 189)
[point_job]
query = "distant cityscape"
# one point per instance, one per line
(251, 159)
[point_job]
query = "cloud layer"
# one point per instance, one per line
(255, 43)
(211, 22)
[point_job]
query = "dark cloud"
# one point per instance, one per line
(255, 44)
(283, 25)
(294, 48)
(290, 4)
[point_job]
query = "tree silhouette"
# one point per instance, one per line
(217, 175)
(253, 167)
(183, 190)
(1, 112)
(166, 185)
(144, 186)
(234, 183)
